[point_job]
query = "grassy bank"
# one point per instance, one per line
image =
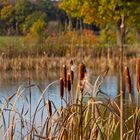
(68, 43)
(50, 51)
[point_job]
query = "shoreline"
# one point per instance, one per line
(44, 63)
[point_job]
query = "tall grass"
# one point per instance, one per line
(89, 115)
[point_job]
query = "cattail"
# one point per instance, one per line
(71, 62)
(49, 107)
(138, 74)
(65, 75)
(81, 71)
(61, 84)
(128, 80)
(71, 76)
(69, 83)
(81, 75)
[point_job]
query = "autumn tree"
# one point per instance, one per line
(33, 18)
(37, 28)
(104, 12)
(23, 8)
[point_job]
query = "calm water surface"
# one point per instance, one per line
(10, 82)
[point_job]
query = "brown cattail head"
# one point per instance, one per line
(65, 75)
(61, 84)
(81, 71)
(71, 62)
(69, 82)
(81, 75)
(138, 74)
(49, 107)
(71, 76)
(128, 80)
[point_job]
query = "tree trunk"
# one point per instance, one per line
(138, 36)
(118, 36)
(70, 23)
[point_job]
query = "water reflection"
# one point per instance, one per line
(10, 82)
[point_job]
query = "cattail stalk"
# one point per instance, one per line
(138, 75)
(49, 107)
(71, 81)
(81, 75)
(129, 86)
(138, 83)
(122, 30)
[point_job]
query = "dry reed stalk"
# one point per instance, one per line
(71, 81)
(61, 83)
(122, 31)
(65, 75)
(138, 75)
(138, 90)
(49, 107)
(12, 132)
(129, 86)
(81, 75)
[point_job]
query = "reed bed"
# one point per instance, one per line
(44, 63)
(85, 112)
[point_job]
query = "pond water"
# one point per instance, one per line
(10, 82)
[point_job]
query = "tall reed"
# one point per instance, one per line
(138, 81)
(89, 118)
(122, 33)
(138, 75)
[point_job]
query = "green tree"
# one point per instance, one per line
(33, 18)
(23, 8)
(7, 18)
(37, 28)
(103, 12)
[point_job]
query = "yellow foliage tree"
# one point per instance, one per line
(37, 28)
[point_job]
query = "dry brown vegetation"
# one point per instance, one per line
(85, 112)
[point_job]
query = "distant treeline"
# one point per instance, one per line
(18, 17)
